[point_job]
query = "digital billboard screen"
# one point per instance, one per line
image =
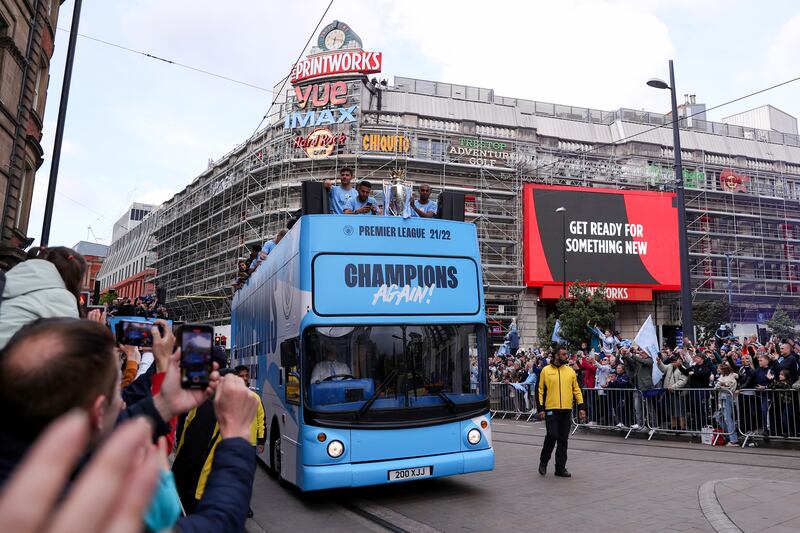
(611, 236)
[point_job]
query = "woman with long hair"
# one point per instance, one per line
(47, 284)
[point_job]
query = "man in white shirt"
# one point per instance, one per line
(330, 367)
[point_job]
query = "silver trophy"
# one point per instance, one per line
(397, 196)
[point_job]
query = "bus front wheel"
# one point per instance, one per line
(275, 455)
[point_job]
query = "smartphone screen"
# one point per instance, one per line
(135, 333)
(196, 341)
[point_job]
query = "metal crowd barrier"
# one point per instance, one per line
(512, 399)
(610, 409)
(711, 413)
(691, 411)
(768, 414)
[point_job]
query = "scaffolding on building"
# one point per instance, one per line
(249, 194)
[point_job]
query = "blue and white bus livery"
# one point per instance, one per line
(366, 338)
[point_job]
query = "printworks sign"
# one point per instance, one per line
(480, 152)
(337, 63)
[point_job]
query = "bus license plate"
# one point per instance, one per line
(410, 473)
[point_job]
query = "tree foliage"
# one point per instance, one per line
(584, 305)
(781, 324)
(708, 315)
(106, 298)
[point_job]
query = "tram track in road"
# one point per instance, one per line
(386, 519)
(637, 442)
(720, 456)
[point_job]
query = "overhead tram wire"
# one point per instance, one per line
(283, 83)
(169, 61)
(665, 125)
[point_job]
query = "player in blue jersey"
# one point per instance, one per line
(424, 207)
(363, 203)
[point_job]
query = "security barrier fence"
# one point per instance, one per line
(737, 417)
(512, 399)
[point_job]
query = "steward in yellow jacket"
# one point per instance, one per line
(558, 389)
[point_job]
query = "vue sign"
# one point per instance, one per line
(333, 93)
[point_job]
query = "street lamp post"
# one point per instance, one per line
(687, 322)
(563, 211)
(62, 117)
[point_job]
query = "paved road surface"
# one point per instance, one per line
(617, 486)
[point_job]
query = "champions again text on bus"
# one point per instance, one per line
(378, 274)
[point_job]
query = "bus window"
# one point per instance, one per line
(292, 386)
(394, 368)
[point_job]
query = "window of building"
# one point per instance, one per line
(24, 205)
(36, 88)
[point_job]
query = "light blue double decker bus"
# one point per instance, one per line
(366, 339)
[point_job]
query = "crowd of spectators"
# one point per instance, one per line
(86, 433)
(698, 385)
(145, 306)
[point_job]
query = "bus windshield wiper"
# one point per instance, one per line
(439, 392)
(378, 391)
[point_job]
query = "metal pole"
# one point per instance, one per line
(687, 322)
(564, 253)
(62, 115)
(730, 289)
(730, 282)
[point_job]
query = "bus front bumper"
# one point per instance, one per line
(377, 473)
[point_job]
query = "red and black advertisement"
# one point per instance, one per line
(619, 238)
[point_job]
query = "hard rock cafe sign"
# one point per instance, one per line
(319, 143)
(732, 182)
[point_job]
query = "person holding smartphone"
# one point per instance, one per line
(362, 203)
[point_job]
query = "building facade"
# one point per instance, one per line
(128, 268)
(132, 217)
(27, 32)
(743, 187)
(95, 254)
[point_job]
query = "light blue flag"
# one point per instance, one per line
(556, 330)
(648, 341)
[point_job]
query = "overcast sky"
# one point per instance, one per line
(140, 130)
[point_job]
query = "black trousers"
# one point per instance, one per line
(558, 422)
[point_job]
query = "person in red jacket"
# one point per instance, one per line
(587, 364)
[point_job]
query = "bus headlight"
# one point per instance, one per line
(474, 436)
(335, 449)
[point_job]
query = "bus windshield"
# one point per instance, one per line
(380, 372)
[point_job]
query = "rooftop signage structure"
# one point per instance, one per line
(338, 53)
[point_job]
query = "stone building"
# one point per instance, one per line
(27, 32)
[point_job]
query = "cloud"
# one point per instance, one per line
(573, 52)
(156, 195)
(782, 57)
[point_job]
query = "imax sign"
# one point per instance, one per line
(307, 119)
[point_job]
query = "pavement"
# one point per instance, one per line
(752, 505)
(617, 485)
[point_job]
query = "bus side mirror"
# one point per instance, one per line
(288, 354)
